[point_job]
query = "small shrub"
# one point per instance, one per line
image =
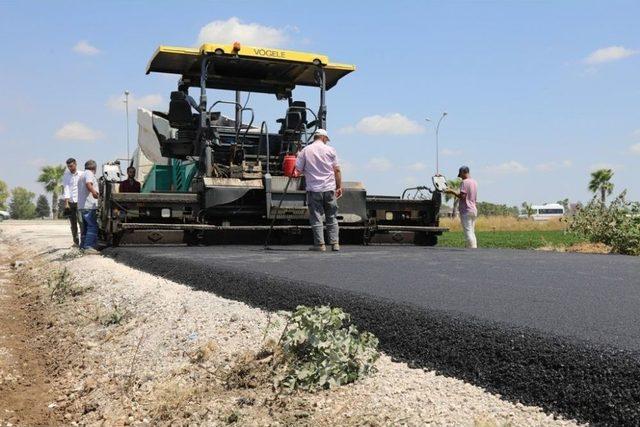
(323, 350)
(60, 285)
(616, 225)
(115, 317)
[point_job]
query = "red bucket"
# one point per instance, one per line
(289, 165)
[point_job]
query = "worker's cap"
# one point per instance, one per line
(463, 170)
(321, 132)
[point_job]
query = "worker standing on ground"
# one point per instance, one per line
(467, 194)
(88, 205)
(130, 185)
(319, 164)
(70, 195)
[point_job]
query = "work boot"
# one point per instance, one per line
(318, 248)
(335, 247)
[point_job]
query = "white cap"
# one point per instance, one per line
(321, 132)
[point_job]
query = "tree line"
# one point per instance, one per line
(22, 204)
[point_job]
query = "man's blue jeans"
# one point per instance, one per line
(89, 236)
(323, 204)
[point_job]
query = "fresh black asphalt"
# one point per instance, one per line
(557, 330)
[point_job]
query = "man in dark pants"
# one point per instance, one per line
(70, 195)
(130, 185)
(87, 205)
(319, 164)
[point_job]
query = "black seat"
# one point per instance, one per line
(294, 121)
(296, 116)
(180, 115)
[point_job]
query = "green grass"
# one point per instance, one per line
(530, 239)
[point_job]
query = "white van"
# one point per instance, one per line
(547, 211)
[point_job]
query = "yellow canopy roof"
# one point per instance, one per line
(253, 69)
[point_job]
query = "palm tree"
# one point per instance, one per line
(453, 184)
(601, 182)
(51, 178)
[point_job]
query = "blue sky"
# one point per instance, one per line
(538, 93)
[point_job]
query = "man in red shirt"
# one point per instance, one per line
(130, 185)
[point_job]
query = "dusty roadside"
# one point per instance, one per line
(115, 346)
(24, 383)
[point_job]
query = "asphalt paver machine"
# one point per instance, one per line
(222, 179)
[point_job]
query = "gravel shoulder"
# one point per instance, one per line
(134, 348)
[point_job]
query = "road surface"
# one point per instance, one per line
(558, 330)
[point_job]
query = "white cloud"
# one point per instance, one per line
(608, 54)
(554, 165)
(389, 124)
(150, 102)
(450, 152)
(417, 167)
(252, 34)
(636, 133)
(635, 148)
(509, 167)
(379, 164)
(84, 48)
(77, 131)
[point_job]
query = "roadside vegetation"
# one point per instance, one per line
(616, 225)
(22, 206)
(323, 350)
(4, 195)
(318, 349)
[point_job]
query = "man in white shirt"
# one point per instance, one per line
(319, 164)
(70, 195)
(88, 205)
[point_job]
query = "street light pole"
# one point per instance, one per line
(126, 106)
(437, 147)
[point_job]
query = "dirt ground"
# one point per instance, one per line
(24, 379)
(88, 341)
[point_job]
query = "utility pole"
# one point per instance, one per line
(126, 106)
(444, 114)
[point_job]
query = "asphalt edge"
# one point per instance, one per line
(576, 379)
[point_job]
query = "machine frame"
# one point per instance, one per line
(234, 197)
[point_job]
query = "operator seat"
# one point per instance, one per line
(294, 121)
(180, 115)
